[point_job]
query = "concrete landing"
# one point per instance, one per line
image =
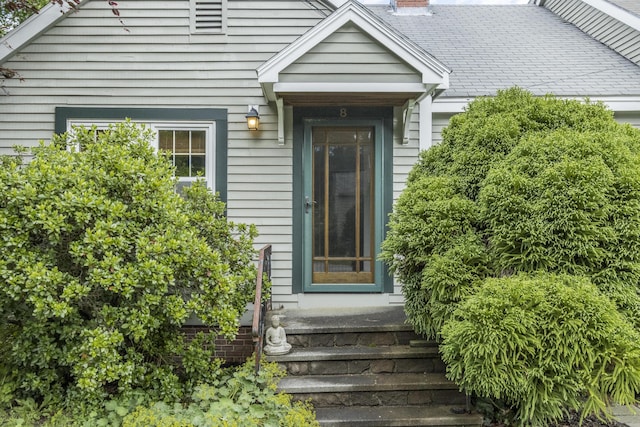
(336, 320)
(626, 415)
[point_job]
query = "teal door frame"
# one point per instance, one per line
(304, 119)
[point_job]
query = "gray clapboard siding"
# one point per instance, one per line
(615, 34)
(88, 59)
(404, 158)
(631, 118)
(439, 122)
(348, 55)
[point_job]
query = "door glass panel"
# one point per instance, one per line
(343, 204)
(318, 204)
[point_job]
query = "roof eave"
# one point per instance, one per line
(35, 25)
(616, 12)
(617, 103)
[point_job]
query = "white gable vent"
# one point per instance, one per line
(208, 16)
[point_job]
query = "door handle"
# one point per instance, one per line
(308, 204)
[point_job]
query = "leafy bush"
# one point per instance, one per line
(569, 201)
(490, 128)
(239, 398)
(542, 343)
(511, 150)
(235, 396)
(519, 184)
(101, 262)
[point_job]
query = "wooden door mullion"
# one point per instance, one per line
(326, 203)
(358, 195)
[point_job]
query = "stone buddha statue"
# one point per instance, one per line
(276, 338)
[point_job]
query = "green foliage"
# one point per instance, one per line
(14, 12)
(431, 218)
(235, 397)
(238, 398)
(101, 262)
(569, 201)
(491, 127)
(521, 185)
(542, 343)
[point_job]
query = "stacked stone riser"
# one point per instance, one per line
(362, 339)
(364, 367)
(384, 398)
(368, 370)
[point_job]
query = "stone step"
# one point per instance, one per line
(360, 360)
(396, 416)
(370, 338)
(338, 320)
(373, 390)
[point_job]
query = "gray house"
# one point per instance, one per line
(347, 95)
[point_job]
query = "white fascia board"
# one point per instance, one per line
(323, 87)
(615, 12)
(31, 28)
(614, 103)
(450, 105)
(619, 103)
(360, 16)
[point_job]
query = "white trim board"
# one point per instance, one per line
(615, 103)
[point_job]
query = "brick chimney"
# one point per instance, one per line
(411, 7)
(411, 3)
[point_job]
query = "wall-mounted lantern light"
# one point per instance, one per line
(253, 118)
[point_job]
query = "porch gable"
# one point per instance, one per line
(347, 42)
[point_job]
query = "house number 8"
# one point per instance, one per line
(343, 112)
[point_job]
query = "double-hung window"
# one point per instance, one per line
(190, 150)
(195, 141)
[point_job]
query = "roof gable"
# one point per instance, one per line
(630, 5)
(354, 55)
(432, 73)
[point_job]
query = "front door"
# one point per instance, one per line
(342, 207)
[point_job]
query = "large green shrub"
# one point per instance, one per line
(101, 262)
(569, 201)
(544, 344)
(440, 209)
(519, 184)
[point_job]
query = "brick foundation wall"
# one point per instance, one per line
(233, 352)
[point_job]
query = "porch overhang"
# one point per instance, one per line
(431, 76)
(288, 78)
(332, 94)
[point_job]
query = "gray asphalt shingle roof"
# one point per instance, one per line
(495, 47)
